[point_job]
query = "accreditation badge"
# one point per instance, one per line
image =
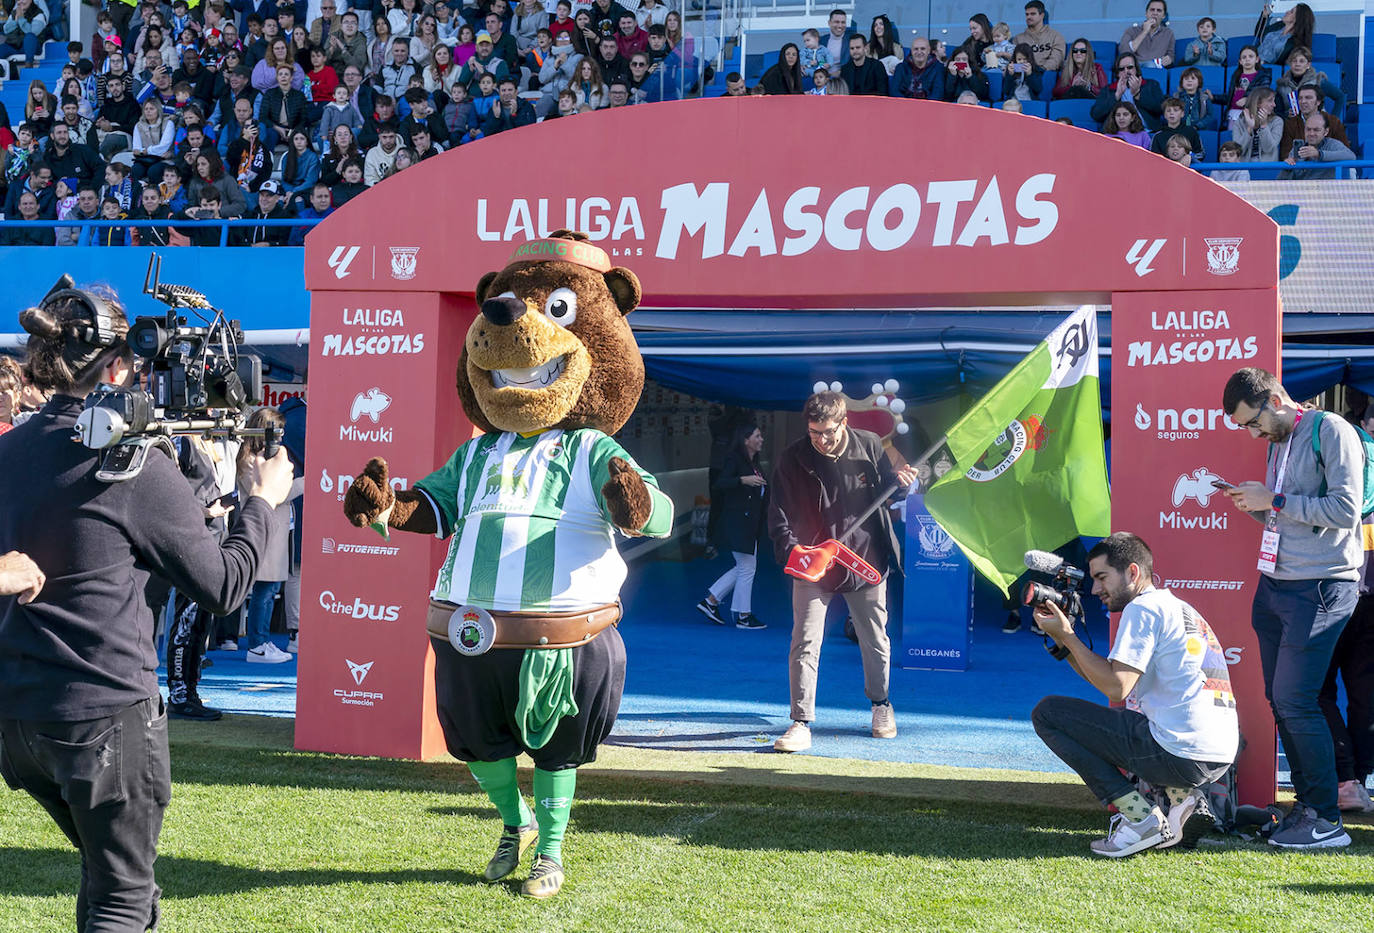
(1269, 544)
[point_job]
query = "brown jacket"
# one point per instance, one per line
(1293, 129)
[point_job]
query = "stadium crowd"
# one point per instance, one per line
(261, 109)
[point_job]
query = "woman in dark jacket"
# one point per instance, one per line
(743, 497)
(785, 77)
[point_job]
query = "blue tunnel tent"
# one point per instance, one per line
(770, 359)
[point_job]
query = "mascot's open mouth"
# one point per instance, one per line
(529, 377)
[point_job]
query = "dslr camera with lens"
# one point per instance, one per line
(1063, 591)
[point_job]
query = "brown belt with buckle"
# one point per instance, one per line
(532, 629)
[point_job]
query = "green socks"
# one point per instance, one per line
(1133, 806)
(553, 797)
(497, 778)
(1177, 795)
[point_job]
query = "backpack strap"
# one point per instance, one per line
(1317, 417)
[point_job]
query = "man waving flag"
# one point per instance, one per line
(1029, 471)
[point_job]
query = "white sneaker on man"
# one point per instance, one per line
(293, 643)
(884, 721)
(267, 653)
(1127, 838)
(1352, 797)
(797, 738)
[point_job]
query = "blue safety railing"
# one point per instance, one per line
(1208, 167)
(224, 224)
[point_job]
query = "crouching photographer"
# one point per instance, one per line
(1178, 729)
(83, 729)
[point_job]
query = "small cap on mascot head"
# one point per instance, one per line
(551, 347)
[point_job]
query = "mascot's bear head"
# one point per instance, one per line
(551, 347)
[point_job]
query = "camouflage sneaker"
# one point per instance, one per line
(545, 880)
(509, 850)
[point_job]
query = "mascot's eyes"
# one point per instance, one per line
(561, 306)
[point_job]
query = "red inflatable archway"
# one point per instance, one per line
(736, 203)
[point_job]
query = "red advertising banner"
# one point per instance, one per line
(1172, 353)
(720, 216)
(380, 385)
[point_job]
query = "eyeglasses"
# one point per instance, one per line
(1080, 51)
(639, 64)
(1254, 422)
(829, 434)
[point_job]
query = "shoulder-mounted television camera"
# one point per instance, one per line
(195, 381)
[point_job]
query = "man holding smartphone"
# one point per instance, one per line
(1310, 556)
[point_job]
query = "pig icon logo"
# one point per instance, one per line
(371, 403)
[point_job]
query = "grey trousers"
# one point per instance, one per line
(868, 606)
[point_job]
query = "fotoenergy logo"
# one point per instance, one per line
(359, 673)
(330, 546)
(357, 609)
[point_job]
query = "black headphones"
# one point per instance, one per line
(99, 331)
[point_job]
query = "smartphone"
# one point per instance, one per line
(1222, 484)
(961, 66)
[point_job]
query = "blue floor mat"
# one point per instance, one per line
(693, 685)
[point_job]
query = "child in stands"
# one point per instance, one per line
(813, 54)
(1230, 152)
(1208, 48)
(1195, 98)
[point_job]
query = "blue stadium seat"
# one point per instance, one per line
(1234, 45)
(1324, 46)
(1214, 78)
(1104, 53)
(1210, 143)
(1076, 110)
(1332, 70)
(771, 58)
(994, 84)
(1159, 75)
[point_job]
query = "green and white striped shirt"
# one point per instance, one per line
(530, 529)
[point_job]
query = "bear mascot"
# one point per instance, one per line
(522, 616)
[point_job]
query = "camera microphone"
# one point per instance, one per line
(1044, 562)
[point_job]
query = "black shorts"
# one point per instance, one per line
(476, 698)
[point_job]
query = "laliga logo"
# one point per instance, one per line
(1197, 487)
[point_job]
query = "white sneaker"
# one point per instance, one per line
(884, 722)
(227, 645)
(267, 653)
(293, 644)
(797, 738)
(1127, 838)
(1352, 797)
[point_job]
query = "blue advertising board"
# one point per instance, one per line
(937, 608)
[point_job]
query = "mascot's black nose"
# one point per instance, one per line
(502, 311)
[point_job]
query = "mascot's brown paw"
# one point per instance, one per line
(627, 497)
(370, 495)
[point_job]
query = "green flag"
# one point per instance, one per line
(1029, 471)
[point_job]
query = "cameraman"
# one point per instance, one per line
(82, 724)
(1178, 729)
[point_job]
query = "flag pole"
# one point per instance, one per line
(889, 490)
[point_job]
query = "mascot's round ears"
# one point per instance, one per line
(620, 282)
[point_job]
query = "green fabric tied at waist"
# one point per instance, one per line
(546, 694)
